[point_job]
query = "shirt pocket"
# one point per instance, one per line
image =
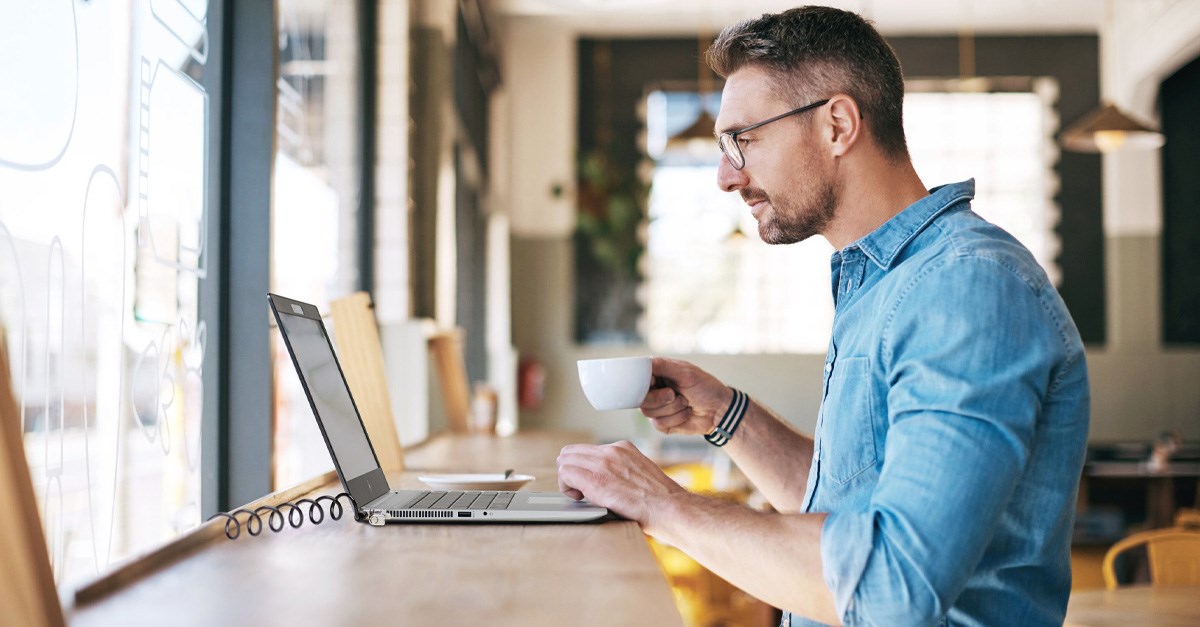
(848, 446)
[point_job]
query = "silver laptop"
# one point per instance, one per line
(354, 457)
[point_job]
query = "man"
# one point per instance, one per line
(940, 485)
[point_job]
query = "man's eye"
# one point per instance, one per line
(743, 141)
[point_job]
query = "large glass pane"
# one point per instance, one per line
(315, 192)
(102, 249)
(1004, 140)
(713, 285)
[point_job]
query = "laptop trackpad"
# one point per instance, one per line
(551, 500)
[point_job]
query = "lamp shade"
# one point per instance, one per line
(697, 139)
(1108, 129)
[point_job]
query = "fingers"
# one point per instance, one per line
(667, 410)
(578, 469)
(626, 446)
(566, 483)
(684, 377)
(666, 371)
(663, 402)
(584, 468)
(617, 476)
(657, 397)
(590, 456)
(569, 491)
(678, 373)
(667, 424)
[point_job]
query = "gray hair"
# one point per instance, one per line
(814, 52)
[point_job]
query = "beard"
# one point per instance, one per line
(795, 221)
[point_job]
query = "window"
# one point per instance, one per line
(1004, 139)
(103, 215)
(714, 287)
(315, 199)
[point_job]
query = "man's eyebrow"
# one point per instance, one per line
(729, 128)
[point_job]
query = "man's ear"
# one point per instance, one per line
(845, 124)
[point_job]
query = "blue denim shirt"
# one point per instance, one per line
(951, 437)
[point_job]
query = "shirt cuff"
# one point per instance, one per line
(846, 542)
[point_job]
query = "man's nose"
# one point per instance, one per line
(730, 179)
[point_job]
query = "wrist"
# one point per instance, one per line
(670, 513)
(723, 431)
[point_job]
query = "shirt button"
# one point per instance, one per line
(787, 621)
(828, 368)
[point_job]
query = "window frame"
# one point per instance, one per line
(607, 117)
(237, 432)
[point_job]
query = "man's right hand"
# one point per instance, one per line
(685, 399)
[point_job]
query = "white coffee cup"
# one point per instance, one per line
(615, 383)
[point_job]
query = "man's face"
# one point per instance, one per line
(786, 181)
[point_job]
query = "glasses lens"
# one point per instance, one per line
(729, 146)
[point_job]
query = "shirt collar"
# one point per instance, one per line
(884, 244)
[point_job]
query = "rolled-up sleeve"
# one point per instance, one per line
(965, 371)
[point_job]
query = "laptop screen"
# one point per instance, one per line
(328, 393)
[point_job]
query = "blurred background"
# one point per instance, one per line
(536, 178)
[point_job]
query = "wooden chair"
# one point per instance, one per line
(1173, 555)
(361, 356)
(447, 350)
(27, 592)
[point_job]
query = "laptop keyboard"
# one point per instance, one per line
(462, 500)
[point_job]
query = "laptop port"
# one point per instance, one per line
(464, 514)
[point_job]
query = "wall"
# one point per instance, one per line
(393, 284)
(539, 74)
(1138, 386)
(453, 226)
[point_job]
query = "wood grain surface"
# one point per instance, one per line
(27, 593)
(361, 357)
(343, 572)
(1144, 606)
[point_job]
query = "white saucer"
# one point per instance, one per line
(492, 481)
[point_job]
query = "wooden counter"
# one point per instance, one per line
(1144, 606)
(341, 572)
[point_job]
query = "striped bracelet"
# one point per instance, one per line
(720, 434)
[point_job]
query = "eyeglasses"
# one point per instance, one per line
(729, 143)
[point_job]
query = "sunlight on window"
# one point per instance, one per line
(315, 190)
(1003, 140)
(713, 286)
(103, 216)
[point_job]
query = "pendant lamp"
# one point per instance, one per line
(697, 139)
(1107, 128)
